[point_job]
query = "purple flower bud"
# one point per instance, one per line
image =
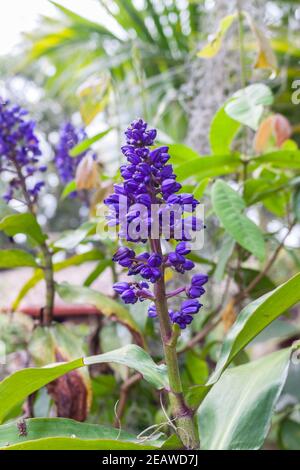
(183, 248)
(194, 292)
(120, 287)
(154, 260)
(199, 279)
(189, 307)
(129, 296)
(152, 313)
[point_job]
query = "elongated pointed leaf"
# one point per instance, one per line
(15, 388)
(237, 411)
(229, 206)
(213, 47)
(22, 223)
(73, 443)
(16, 258)
(208, 166)
(86, 143)
(254, 318)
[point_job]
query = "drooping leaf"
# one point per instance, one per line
(254, 318)
(266, 59)
(247, 105)
(213, 47)
(22, 223)
(16, 387)
(237, 411)
(106, 305)
(16, 258)
(86, 143)
(229, 206)
(181, 153)
(222, 132)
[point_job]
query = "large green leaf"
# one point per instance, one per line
(22, 223)
(229, 206)
(247, 105)
(254, 318)
(289, 159)
(222, 132)
(237, 411)
(208, 166)
(74, 443)
(106, 305)
(15, 388)
(16, 258)
(40, 428)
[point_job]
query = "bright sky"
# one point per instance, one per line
(18, 16)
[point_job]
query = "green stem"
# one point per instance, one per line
(181, 412)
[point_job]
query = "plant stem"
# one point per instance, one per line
(182, 413)
(47, 311)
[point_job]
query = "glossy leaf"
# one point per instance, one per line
(106, 305)
(236, 413)
(247, 105)
(222, 132)
(16, 387)
(208, 166)
(16, 258)
(254, 318)
(22, 223)
(229, 206)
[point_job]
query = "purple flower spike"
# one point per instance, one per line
(149, 182)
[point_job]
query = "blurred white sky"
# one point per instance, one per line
(18, 16)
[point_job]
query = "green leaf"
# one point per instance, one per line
(137, 358)
(208, 166)
(229, 205)
(101, 266)
(68, 189)
(254, 318)
(181, 153)
(86, 143)
(224, 255)
(247, 105)
(70, 239)
(289, 159)
(296, 203)
(222, 132)
(18, 386)
(22, 223)
(40, 431)
(106, 305)
(71, 443)
(289, 434)
(236, 413)
(200, 188)
(41, 428)
(16, 258)
(213, 47)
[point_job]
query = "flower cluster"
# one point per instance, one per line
(20, 152)
(149, 181)
(66, 165)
